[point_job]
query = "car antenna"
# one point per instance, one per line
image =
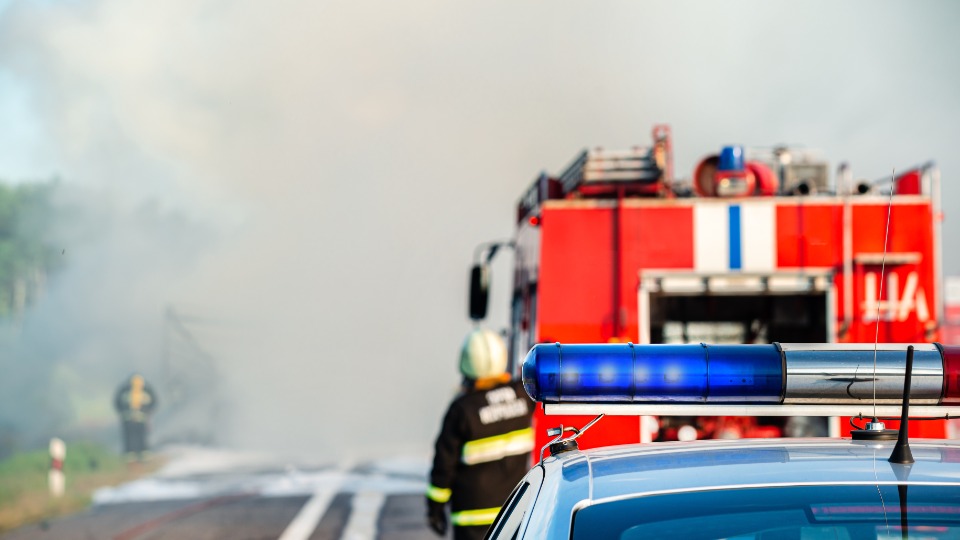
(875, 429)
(559, 445)
(901, 452)
(902, 458)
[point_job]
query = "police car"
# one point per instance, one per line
(877, 484)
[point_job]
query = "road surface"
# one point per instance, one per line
(211, 495)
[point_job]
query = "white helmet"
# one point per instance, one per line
(484, 354)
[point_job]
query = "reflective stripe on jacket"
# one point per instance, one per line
(470, 518)
(482, 451)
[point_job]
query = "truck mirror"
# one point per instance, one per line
(479, 291)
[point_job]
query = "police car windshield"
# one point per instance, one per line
(795, 512)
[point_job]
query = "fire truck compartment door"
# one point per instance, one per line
(793, 305)
(667, 282)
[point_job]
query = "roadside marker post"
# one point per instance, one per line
(58, 452)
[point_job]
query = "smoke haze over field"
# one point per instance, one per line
(314, 176)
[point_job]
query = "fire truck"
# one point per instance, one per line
(758, 246)
(951, 319)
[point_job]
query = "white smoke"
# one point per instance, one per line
(350, 155)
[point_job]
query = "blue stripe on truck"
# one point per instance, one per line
(736, 255)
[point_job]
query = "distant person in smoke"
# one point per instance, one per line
(135, 401)
(484, 443)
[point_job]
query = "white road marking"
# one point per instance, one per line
(309, 516)
(363, 515)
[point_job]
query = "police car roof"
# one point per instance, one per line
(634, 470)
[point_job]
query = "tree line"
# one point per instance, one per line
(27, 251)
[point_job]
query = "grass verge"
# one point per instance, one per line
(24, 493)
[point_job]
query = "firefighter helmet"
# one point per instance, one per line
(484, 354)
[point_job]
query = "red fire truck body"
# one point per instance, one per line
(951, 307)
(599, 259)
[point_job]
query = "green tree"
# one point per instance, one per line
(27, 254)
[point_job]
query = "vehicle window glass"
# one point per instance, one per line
(517, 333)
(796, 512)
(532, 311)
(508, 522)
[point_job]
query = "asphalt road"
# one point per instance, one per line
(212, 498)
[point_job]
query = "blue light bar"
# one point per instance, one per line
(627, 373)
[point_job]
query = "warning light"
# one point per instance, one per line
(534, 221)
(825, 376)
(654, 373)
(951, 377)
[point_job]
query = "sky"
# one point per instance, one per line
(314, 176)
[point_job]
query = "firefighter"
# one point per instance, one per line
(135, 400)
(485, 441)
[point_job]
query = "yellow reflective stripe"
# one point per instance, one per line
(440, 495)
(466, 518)
(498, 447)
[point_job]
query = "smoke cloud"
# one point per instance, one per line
(305, 182)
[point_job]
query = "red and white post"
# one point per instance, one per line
(58, 452)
